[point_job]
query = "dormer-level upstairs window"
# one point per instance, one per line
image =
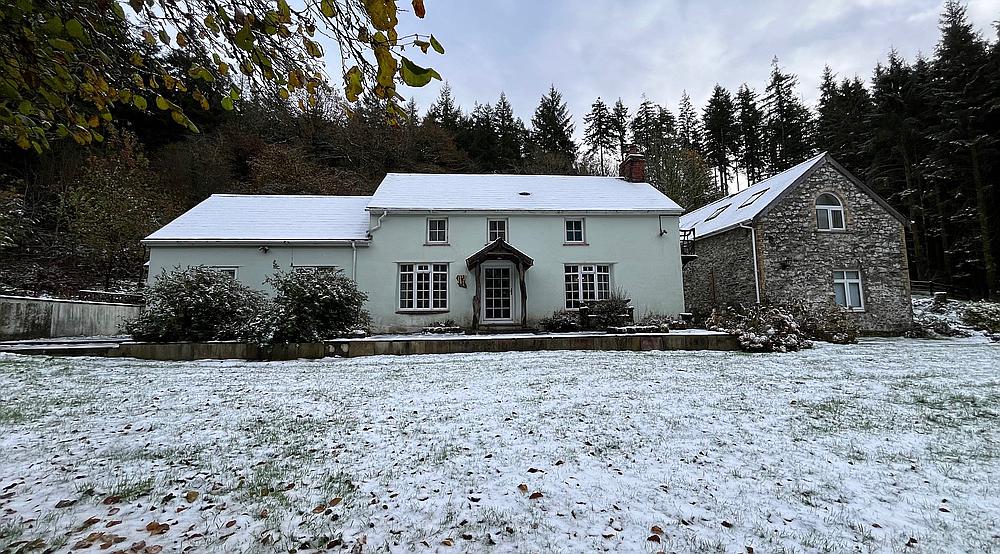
(437, 230)
(496, 228)
(574, 231)
(829, 213)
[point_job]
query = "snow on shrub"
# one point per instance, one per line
(194, 304)
(610, 312)
(760, 328)
(934, 318)
(560, 321)
(309, 305)
(831, 324)
(983, 316)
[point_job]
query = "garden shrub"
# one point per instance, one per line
(611, 312)
(309, 305)
(983, 316)
(194, 304)
(760, 328)
(663, 322)
(560, 321)
(831, 324)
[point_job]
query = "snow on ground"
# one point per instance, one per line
(890, 445)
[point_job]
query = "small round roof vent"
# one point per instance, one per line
(524, 193)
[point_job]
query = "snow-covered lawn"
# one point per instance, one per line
(891, 445)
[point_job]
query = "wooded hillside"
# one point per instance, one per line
(924, 133)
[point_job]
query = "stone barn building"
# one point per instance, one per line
(812, 236)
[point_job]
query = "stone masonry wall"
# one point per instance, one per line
(723, 273)
(798, 260)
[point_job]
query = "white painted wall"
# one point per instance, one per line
(644, 263)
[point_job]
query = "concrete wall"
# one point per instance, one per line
(799, 260)
(644, 263)
(33, 318)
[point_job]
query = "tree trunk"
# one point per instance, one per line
(982, 213)
(920, 260)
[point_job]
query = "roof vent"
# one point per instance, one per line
(524, 193)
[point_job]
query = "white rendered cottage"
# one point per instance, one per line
(487, 251)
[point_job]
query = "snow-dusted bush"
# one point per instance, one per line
(662, 322)
(832, 324)
(760, 328)
(610, 312)
(933, 318)
(983, 316)
(560, 321)
(194, 304)
(309, 305)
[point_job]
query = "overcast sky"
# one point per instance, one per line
(607, 48)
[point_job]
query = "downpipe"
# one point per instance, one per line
(753, 245)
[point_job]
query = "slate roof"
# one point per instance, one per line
(269, 218)
(420, 192)
(743, 206)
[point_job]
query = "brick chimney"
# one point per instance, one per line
(633, 166)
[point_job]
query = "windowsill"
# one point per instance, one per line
(833, 231)
(575, 244)
(423, 311)
(436, 244)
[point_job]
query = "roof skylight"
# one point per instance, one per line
(716, 213)
(753, 198)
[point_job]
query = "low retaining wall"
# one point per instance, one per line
(458, 345)
(187, 351)
(184, 351)
(34, 318)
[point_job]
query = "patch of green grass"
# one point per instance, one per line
(338, 483)
(9, 532)
(128, 487)
(266, 482)
(12, 415)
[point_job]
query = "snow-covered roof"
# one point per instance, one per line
(740, 207)
(269, 218)
(513, 193)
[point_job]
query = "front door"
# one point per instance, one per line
(498, 293)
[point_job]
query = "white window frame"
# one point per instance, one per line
(410, 302)
(582, 231)
(226, 269)
(843, 278)
(828, 211)
(427, 235)
(581, 270)
(489, 228)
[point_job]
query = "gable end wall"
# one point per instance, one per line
(798, 260)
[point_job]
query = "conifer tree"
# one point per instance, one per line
(552, 135)
(600, 136)
(841, 120)
(787, 123)
(444, 111)
(965, 151)
(750, 133)
(511, 136)
(689, 132)
(620, 120)
(719, 122)
(479, 138)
